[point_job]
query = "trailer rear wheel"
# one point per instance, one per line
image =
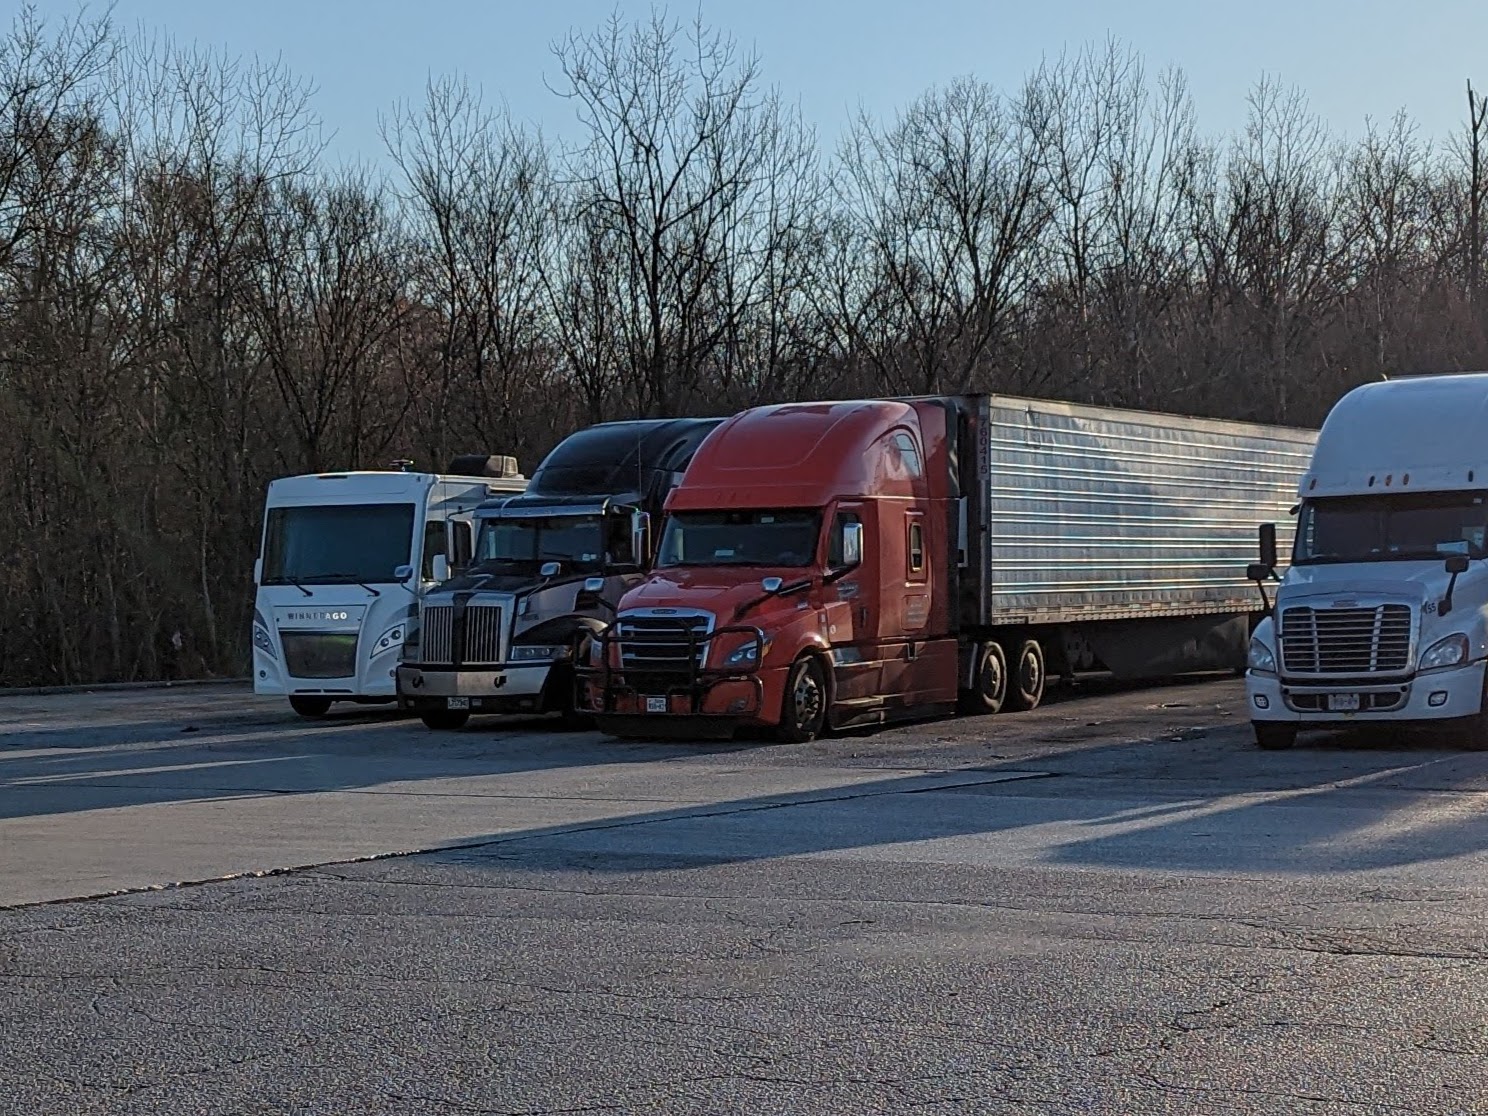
(804, 710)
(989, 681)
(444, 720)
(1027, 688)
(307, 706)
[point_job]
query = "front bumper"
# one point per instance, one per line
(710, 701)
(271, 679)
(503, 689)
(1439, 696)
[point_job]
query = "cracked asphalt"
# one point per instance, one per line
(1112, 905)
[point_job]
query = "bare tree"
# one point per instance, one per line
(679, 139)
(953, 198)
(481, 204)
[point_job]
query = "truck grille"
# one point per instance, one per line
(482, 635)
(1346, 641)
(482, 643)
(437, 634)
(655, 650)
(319, 654)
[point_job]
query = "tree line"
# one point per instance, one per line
(193, 300)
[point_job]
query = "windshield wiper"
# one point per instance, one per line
(289, 581)
(354, 580)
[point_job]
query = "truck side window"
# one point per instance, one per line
(909, 453)
(434, 543)
(618, 541)
(916, 550)
(835, 556)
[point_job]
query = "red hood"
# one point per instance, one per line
(719, 590)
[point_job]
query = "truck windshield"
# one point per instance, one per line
(1397, 527)
(780, 537)
(575, 540)
(329, 544)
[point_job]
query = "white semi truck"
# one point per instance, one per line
(345, 559)
(1382, 616)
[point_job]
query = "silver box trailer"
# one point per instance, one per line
(1086, 514)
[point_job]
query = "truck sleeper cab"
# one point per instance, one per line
(548, 567)
(1380, 618)
(825, 565)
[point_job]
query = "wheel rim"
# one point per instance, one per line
(992, 680)
(1032, 673)
(807, 698)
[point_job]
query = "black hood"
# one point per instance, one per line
(489, 583)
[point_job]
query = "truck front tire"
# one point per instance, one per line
(444, 720)
(1274, 737)
(803, 711)
(307, 706)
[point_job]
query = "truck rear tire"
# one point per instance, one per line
(307, 706)
(989, 682)
(1026, 687)
(1274, 737)
(803, 710)
(444, 720)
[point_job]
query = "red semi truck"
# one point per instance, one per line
(845, 563)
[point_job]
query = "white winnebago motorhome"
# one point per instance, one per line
(344, 561)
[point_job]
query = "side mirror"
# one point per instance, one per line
(403, 572)
(549, 569)
(591, 594)
(640, 538)
(852, 545)
(1456, 564)
(440, 568)
(772, 584)
(1257, 571)
(1268, 545)
(258, 571)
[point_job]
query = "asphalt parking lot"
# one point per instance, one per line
(1114, 904)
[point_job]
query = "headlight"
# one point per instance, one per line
(1261, 658)
(534, 653)
(1449, 652)
(389, 639)
(747, 655)
(262, 641)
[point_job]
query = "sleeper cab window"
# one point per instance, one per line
(908, 453)
(915, 552)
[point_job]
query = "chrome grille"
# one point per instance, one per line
(482, 635)
(436, 635)
(656, 649)
(1346, 641)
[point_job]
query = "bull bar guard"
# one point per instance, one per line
(700, 679)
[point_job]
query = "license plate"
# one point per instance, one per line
(457, 703)
(656, 705)
(1343, 703)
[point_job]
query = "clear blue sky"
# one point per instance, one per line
(1353, 58)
